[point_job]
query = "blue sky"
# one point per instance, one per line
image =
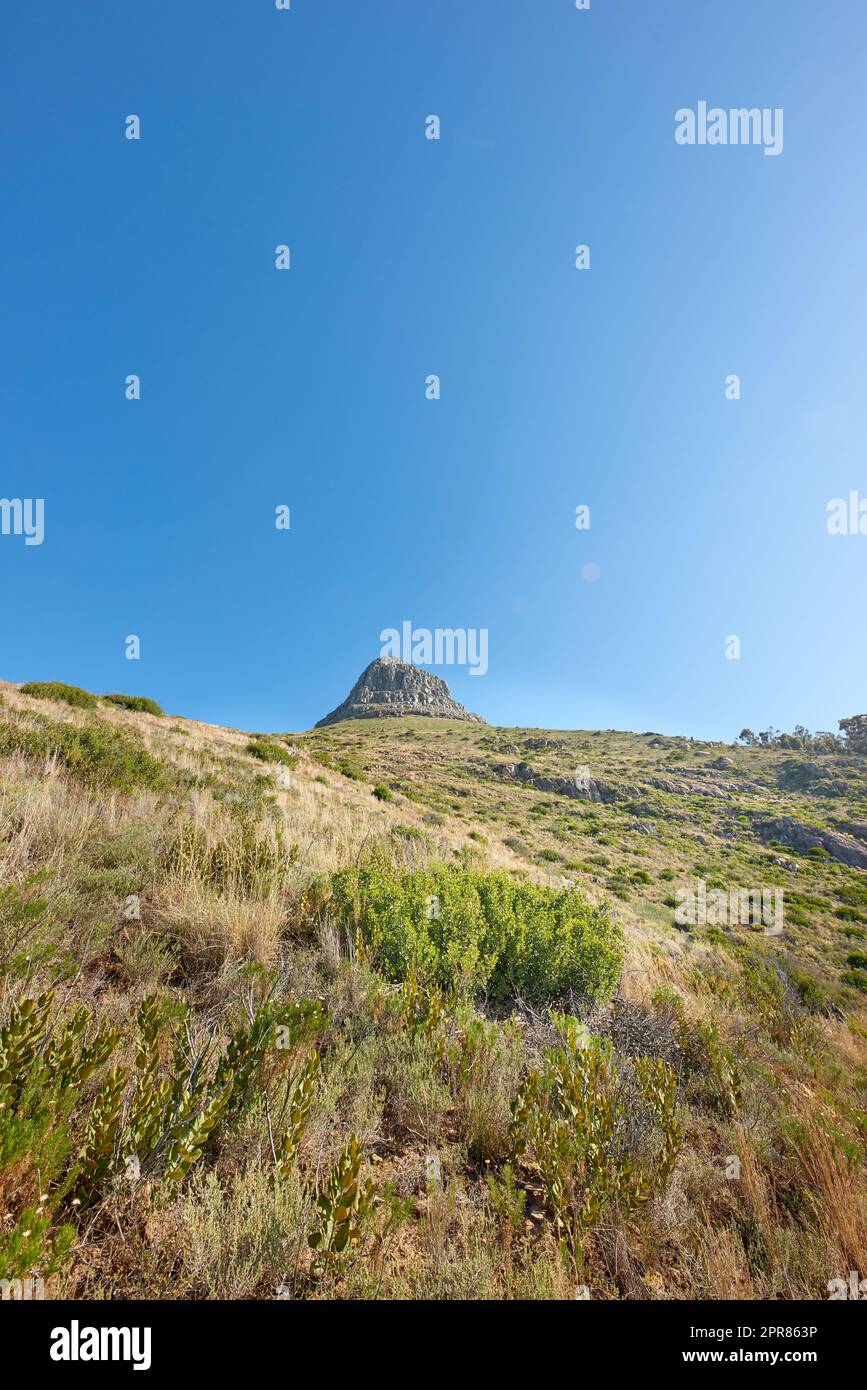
(456, 257)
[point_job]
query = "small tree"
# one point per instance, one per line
(855, 730)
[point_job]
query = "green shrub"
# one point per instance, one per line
(56, 690)
(45, 1063)
(140, 704)
(809, 991)
(351, 770)
(382, 792)
(469, 930)
(94, 753)
(20, 918)
(574, 1118)
(343, 1206)
(856, 978)
(270, 751)
(857, 960)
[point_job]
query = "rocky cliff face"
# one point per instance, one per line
(390, 689)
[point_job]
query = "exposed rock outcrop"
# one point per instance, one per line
(787, 831)
(578, 788)
(391, 689)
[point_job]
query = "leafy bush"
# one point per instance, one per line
(60, 1136)
(382, 792)
(351, 770)
(343, 1206)
(20, 915)
(95, 753)
(270, 751)
(856, 978)
(809, 991)
(44, 1067)
(140, 704)
(469, 930)
(574, 1117)
(56, 690)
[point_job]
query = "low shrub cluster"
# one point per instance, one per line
(351, 770)
(139, 704)
(69, 1129)
(576, 1118)
(95, 753)
(56, 690)
(475, 931)
(268, 750)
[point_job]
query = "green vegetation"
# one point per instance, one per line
(260, 1031)
(351, 770)
(269, 751)
(56, 690)
(139, 704)
(576, 1116)
(98, 755)
(470, 931)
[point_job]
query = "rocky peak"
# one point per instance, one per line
(390, 689)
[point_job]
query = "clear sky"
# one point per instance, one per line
(410, 257)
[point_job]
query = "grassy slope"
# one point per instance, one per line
(776, 1012)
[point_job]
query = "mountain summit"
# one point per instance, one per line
(390, 689)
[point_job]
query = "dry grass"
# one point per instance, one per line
(227, 862)
(216, 930)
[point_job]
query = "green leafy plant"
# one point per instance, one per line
(299, 1108)
(268, 750)
(45, 1065)
(572, 1118)
(57, 690)
(343, 1207)
(467, 930)
(139, 704)
(94, 753)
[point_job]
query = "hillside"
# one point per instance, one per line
(443, 959)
